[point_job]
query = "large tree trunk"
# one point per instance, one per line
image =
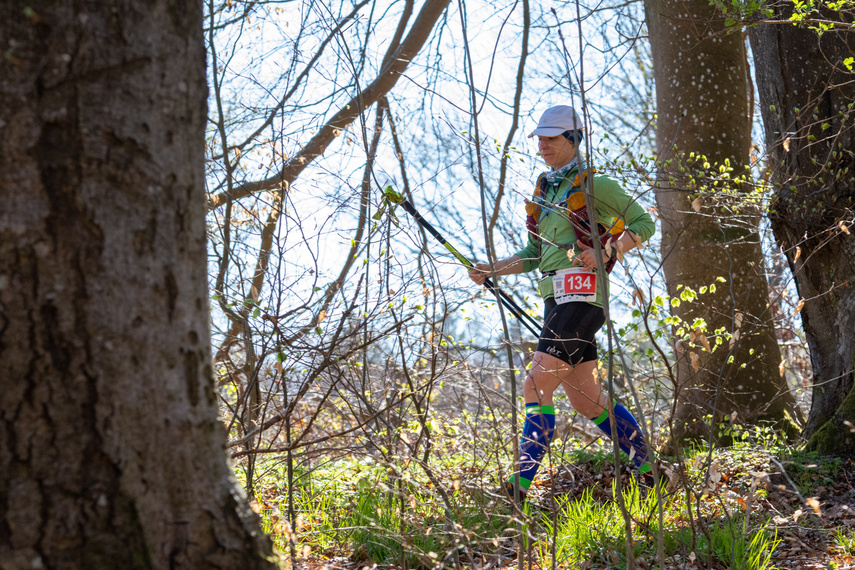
(702, 101)
(111, 453)
(806, 98)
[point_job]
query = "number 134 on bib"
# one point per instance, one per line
(575, 284)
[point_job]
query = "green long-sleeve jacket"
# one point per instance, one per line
(610, 202)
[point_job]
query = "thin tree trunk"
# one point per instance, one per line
(806, 99)
(111, 451)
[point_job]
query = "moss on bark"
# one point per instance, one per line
(836, 437)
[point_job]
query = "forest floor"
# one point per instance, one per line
(804, 505)
(808, 505)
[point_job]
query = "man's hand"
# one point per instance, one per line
(587, 259)
(479, 273)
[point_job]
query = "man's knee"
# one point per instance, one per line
(540, 383)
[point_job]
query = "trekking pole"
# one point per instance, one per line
(527, 320)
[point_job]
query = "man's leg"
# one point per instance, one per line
(545, 376)
(534, 443)
(588, 399)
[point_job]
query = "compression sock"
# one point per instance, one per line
(537, 433)
(630, 438)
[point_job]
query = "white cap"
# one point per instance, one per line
(556, 120)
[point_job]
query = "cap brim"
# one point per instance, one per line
(546, 132)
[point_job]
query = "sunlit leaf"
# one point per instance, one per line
(814, 504)
(696, 361)
(696, 204)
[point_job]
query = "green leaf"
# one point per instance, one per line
(379, 213)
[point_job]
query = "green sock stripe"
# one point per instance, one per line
(602, 417)
(540, 410)
(524, 483)
(645, 468)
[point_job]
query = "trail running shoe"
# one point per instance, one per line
(666, 474)
(508, 491)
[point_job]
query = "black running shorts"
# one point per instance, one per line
(569, 329)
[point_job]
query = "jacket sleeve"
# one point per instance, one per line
(612, 201)
(530, 254)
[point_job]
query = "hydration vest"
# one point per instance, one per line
(577, 213)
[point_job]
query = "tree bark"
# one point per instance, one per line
(806, 98)
(702, 101)
(111, 451)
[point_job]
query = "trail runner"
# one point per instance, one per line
(560, 246)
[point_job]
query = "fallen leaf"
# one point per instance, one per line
(814, 504)
(715, 474)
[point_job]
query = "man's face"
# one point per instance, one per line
(556, 151)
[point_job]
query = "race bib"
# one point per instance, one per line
(574, 284)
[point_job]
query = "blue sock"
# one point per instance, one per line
(630, 437)
(537, 433)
